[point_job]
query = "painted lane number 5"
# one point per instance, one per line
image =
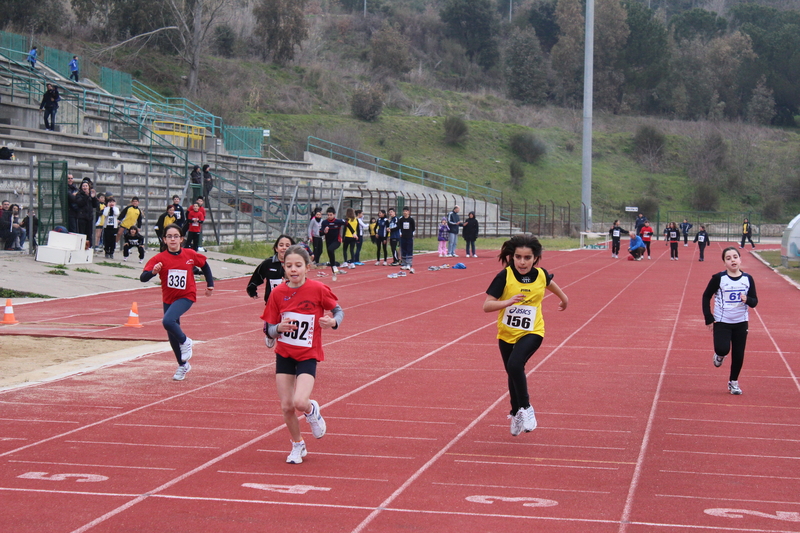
(79, 478)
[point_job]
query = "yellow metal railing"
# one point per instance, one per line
(182, 135)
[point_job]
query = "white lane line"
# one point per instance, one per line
(92, 465)
(734, 422)
(520, 488)
(781, 353)
(715, 498)
(536, 465)
(234, 413)
(39, 420)
(550, 445)
(393, 437)
(637, 471)
(592, 415)
(184, 427)
(392, 420)
(438, 408)
(134, 410)
(359, 455)
(716, 453)
(724, 474)
(695, 435)
(304, 476)
(60, 405)
(142, 444)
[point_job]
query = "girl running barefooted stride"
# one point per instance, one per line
(516, 294)
(733, 292)
(175, 267)
(295, 314)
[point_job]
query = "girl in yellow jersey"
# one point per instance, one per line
(516, 294)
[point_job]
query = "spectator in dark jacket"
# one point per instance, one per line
(470, 233)
(87, 202)
(72, 190)
(50, 105)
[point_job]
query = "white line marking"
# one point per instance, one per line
(235, 413)
(637, 471)
(38, 420)
(777, 349)
(534, 465)
(92, 465)
(550, 445)
(519, 488)
(348, 455)
(393, 437)
(690, 497)
(59, 405)
(183, 427)
(142, 444)
(735, 454)
(304, 476)
(734, 422)
(725, 474)
(438, 408)
(775, 439)
(395, 421)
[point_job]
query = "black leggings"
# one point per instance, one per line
(331, 247)
(615, 245)
(647, 245)
(673, 249)
(349, 246)
(381, 243)
(393, 243)
(731, 338)
(515, 356)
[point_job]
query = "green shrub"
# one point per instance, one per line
(528, 147)
(649, 142)
(367, 103)
(517, 173)
(455, 130)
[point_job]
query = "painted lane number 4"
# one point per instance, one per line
(284, 489)
(527, 502)
(785, 516)
(79, 478)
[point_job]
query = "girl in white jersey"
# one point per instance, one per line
(734, 292)
(516, 295)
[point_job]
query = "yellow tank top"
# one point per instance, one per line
(523, 318)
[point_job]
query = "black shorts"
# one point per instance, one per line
(287, 365)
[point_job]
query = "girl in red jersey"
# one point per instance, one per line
(295, 314)
(194, 220)
(178, 291)
(646, 233)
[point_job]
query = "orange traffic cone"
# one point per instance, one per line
(8, 316)
(133, 317)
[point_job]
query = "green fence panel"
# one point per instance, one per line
(243, 141)
(16, 45)
(116, 82)
(52, 203)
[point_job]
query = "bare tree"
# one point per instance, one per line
(194, 20)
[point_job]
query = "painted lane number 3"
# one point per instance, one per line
(526, 502)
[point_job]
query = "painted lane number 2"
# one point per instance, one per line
(784, 516)
(79, 478)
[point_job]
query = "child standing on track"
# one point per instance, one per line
(733, 292)
(701, 238)
(110, 225)
(407, 229)
(381, 236)
(178, 291)
(394, 236)
(270, 270)
(516, 295)
(685, 227)
(673, 236)
(443, 236)
(331, 228)
(616, 234)
(292, 315)
(646, 233)
(747, 233)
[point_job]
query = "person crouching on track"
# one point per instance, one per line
(295, 314)
(516, 294)
(270, 270)
(178, 291)
(636, 248)
(733, 292)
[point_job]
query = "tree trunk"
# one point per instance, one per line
(197, 46)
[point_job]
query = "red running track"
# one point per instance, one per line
(637, 432)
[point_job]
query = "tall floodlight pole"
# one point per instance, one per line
(588, 88)
(510, 6)
(365, 8)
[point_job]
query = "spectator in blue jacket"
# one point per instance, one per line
(636, 247)
(74, 70)
(685, 227)
(453, 222)
(32, 56)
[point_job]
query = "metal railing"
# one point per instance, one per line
(398, 170)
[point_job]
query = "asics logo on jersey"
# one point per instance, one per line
(518, 311)
(190, 261)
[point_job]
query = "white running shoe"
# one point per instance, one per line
(270, 342)
(648, 257)
(384, 263)
(454, 255)
(474, 255)
(411, 270)
(528, 419)
(186, 350)
(180, 373)
(516, 423)
(441, 255)
(718, 360)
(351, 265)
(403, 267)
(377, 263)
(125, 259)
(315, 420)
(298, 452)
(733, 386)
(141, 261)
